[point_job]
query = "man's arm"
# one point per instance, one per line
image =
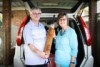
(38, 52)
(29, 41)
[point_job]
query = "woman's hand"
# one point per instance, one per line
(54, 35)
(72, 65)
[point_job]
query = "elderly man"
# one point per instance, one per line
(34, 35)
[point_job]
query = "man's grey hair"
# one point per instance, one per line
(37, 8)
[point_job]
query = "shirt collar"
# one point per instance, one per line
(32, 23)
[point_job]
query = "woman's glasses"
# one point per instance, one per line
(62, 19)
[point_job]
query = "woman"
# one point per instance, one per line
(66, 43)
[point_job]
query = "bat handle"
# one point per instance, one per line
(48, 63)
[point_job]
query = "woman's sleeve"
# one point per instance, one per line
(73, 43)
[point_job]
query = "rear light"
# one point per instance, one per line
(19, 38)
(86, 31)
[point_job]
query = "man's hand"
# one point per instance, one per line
(38, 52)
(42, 54)
(47, 56)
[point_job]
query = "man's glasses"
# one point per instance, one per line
(36, 13)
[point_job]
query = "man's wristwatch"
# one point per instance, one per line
(72, 62)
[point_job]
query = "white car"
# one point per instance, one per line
(84, 57)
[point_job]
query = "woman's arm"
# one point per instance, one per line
(74, 47)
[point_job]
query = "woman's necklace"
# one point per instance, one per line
(62, 32)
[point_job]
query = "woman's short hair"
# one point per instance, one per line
(61, 14)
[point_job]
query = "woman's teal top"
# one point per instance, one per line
(66, 47)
